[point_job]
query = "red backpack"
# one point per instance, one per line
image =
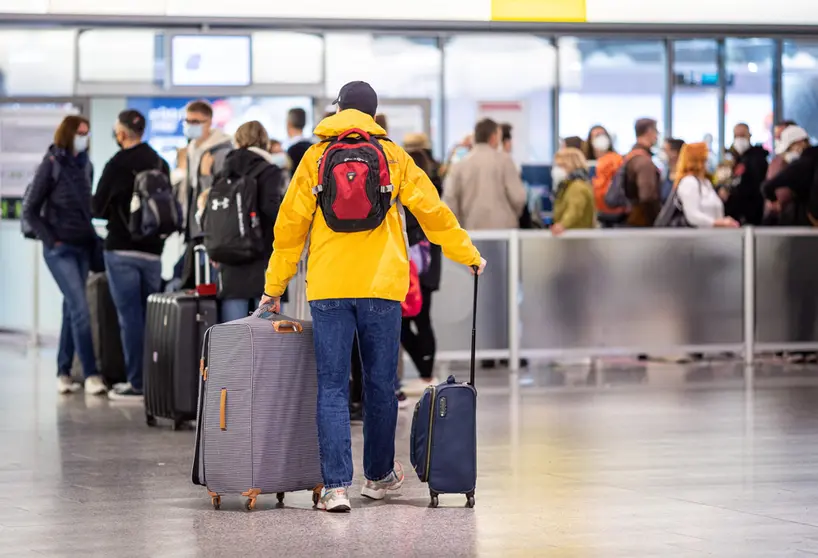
(355, 191)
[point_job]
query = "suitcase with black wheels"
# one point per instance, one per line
(105, 333)
(175, 328)
(443, 444)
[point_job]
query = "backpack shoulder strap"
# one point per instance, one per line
(258, 168)
(56, 168)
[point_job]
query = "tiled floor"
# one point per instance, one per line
(636, 461)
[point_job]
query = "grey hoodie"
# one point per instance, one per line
(190, 184)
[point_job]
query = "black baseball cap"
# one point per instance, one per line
(358, 95)
(133, 120)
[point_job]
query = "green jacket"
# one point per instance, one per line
(574, 205)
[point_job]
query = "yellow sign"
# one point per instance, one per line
(539, 10)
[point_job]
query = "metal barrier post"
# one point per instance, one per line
(514, 301)
(34, 338)
(749, 294)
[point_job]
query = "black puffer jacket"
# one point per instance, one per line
(247, 280)
(67, 202)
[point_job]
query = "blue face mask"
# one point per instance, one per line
(80, 143)
(193, 131)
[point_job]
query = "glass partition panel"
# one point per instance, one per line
(800, 84)
(283, 57)
(696, 91)
(750, 89)
(612, 83)
(396, 67)
(507, 78)
(120, 55)
(37, 62)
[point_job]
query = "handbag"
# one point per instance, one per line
(672, 214)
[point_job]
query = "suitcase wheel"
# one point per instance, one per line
(177, 424)
(250, 504)
(280, 497)
(150, 420)
(216, 501)
(433, 499)
(470, 500)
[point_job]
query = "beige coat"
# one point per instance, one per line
(484, 190)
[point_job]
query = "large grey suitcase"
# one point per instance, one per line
(256, 431)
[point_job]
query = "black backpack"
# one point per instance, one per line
(355, 191)
(155, 211)
(230, 222)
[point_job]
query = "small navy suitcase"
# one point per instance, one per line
(444, 434)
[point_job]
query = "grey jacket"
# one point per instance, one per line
(485, 191)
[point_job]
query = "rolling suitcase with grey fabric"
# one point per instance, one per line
(256, 431)
(175, 327)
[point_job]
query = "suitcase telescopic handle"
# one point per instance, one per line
(474, 329)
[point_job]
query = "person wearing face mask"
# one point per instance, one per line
(573, 198)
(669, 155)
(484, 190)
(133, 265)
(599, 149)
(642, 177)
(742, 191)
(790, 194)
(206, 152)
(57, 208)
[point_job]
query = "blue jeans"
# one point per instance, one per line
(236, 308)
(377, 322)
(69, 265)
(131, 279)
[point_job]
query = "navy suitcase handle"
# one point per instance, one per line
(473, 329)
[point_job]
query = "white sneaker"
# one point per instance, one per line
(66, 385)
(334, 500)
(95, 386)
(376, 490)
(125, 392)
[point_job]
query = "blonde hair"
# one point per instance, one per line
(571, 159)
(252, 134)
(692, 161)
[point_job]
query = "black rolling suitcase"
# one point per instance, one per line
(105, 332)
(175, 327)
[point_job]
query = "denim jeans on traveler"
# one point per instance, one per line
(69, 265)
(236, 308)
(131, 279)
(378, 323)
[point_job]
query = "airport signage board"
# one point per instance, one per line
(657, 12)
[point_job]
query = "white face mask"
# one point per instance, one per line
(281, 160)
(601, 143)
(193, 131)
(791, 156)
(80, 143)
(558, 176)
(664, 157)
(741, 145)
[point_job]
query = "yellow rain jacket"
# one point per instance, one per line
(369, 264)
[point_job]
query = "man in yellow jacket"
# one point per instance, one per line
(356, 281)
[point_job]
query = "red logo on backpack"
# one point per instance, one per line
(355, 192)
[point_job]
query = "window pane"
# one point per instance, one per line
(118, 55)
(397, 67)
(696, 91)
(612, 83)
(507, 78)
(800, 85)
(750, 88)
(37, 62)
(282, 57)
